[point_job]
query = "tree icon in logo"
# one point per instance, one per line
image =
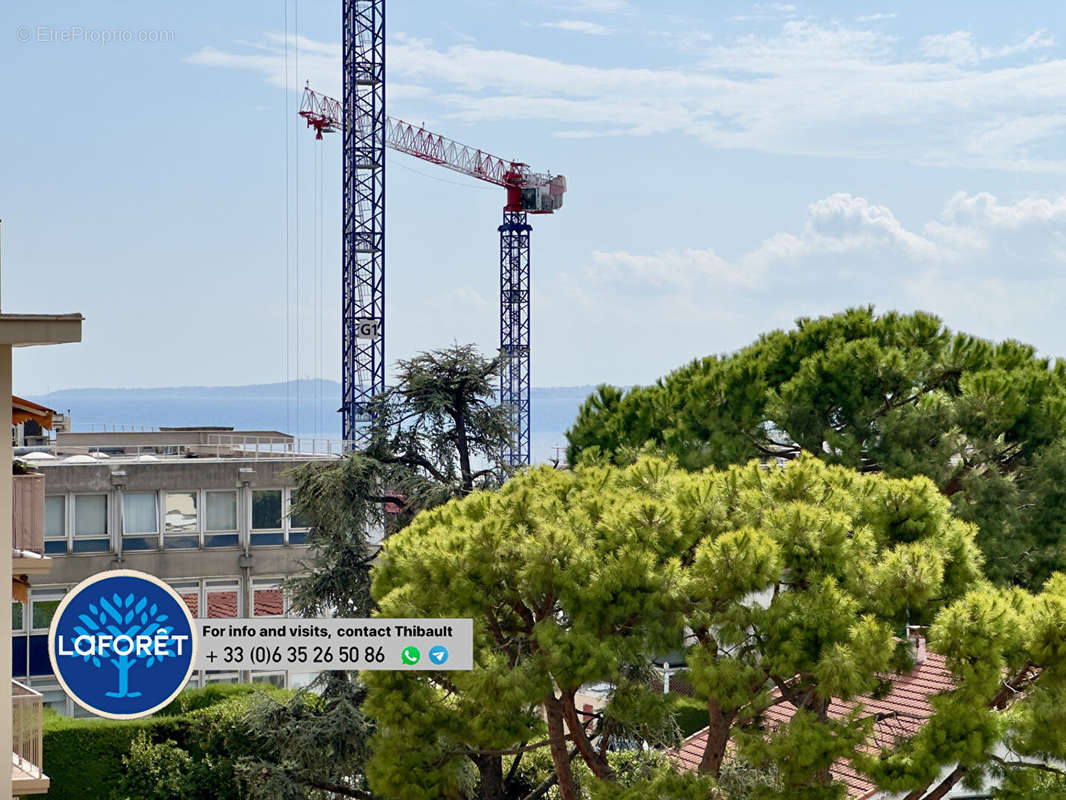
(127, 618)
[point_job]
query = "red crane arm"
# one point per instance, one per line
(324, 115)
(418, 142)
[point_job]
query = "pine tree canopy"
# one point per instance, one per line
(791, 584)
(897, 394)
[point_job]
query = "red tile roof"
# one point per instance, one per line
(903, 710)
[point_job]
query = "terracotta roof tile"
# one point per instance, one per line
(903, 710)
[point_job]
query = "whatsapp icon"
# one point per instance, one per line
(410, 655)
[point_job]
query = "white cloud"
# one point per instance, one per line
(577, 26)
(675, 305)
(878, 17)
(955, 48)
(672, 269)
(974, 232)
(960, 47)
(805, 89)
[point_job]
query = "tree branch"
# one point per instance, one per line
(1028, 765)
(542, 788)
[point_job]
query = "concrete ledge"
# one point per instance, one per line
(25, 330)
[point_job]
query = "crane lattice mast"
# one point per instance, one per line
(528, 192)
(363, 272)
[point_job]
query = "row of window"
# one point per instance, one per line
(218, 598)
(81, 523)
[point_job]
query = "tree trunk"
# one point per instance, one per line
(597, 762)
(490, 768)
(553, 711)
(942, 789)
(720, 722)
(463, 448)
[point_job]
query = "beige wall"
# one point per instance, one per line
(5, 580)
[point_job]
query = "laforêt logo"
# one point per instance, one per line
(122, 644)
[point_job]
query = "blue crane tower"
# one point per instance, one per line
(367, 132)
(363, 281)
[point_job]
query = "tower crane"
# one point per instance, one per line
(528, 192)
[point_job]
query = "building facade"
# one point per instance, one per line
(206, 509)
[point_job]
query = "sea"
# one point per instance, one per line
(306, 409)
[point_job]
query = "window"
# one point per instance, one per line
(266, 516)
(273, 678)
(267, 598)
(298, 522)
(226, 677)
(18, 622)
(182, 523)
(43, 605)
(140, 516)
(220, 514)
(55, 524)
(222, 599)
(190, 593)
(90, 523)
(54, 696)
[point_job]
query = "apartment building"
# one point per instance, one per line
(206, 509)
(20, 726)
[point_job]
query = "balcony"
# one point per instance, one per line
(27, 526)
(27, 721)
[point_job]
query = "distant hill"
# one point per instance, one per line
(263, 407)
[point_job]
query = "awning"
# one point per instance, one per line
(25, 410)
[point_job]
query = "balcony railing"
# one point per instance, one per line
(212, 445)
(27, 722)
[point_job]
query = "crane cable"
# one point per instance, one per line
(288, 279)
(296, 46)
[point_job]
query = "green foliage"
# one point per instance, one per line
(304, 746)
(795, 578)
(205, 696)
(690, 713)
(154, 771)
(436, 434)
(899, 394)
(1006, 650)
(85, 757)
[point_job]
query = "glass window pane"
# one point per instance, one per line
(139, 513)
(92, 545)
(266, 509)
(90, 515)
(221, 604)
(260, 539)
(16, 615)
(190, 593)
(297, 519)
(220, 540)
(267, 600)
(43, 611)
(181, 512)
(181, 541)
(221, 511)
(55, 517)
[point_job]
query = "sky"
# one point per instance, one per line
(731, 166)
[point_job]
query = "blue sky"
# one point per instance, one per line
(731, 166)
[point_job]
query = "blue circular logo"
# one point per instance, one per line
(122, 644)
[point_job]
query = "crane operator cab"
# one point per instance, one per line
(545, 196)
